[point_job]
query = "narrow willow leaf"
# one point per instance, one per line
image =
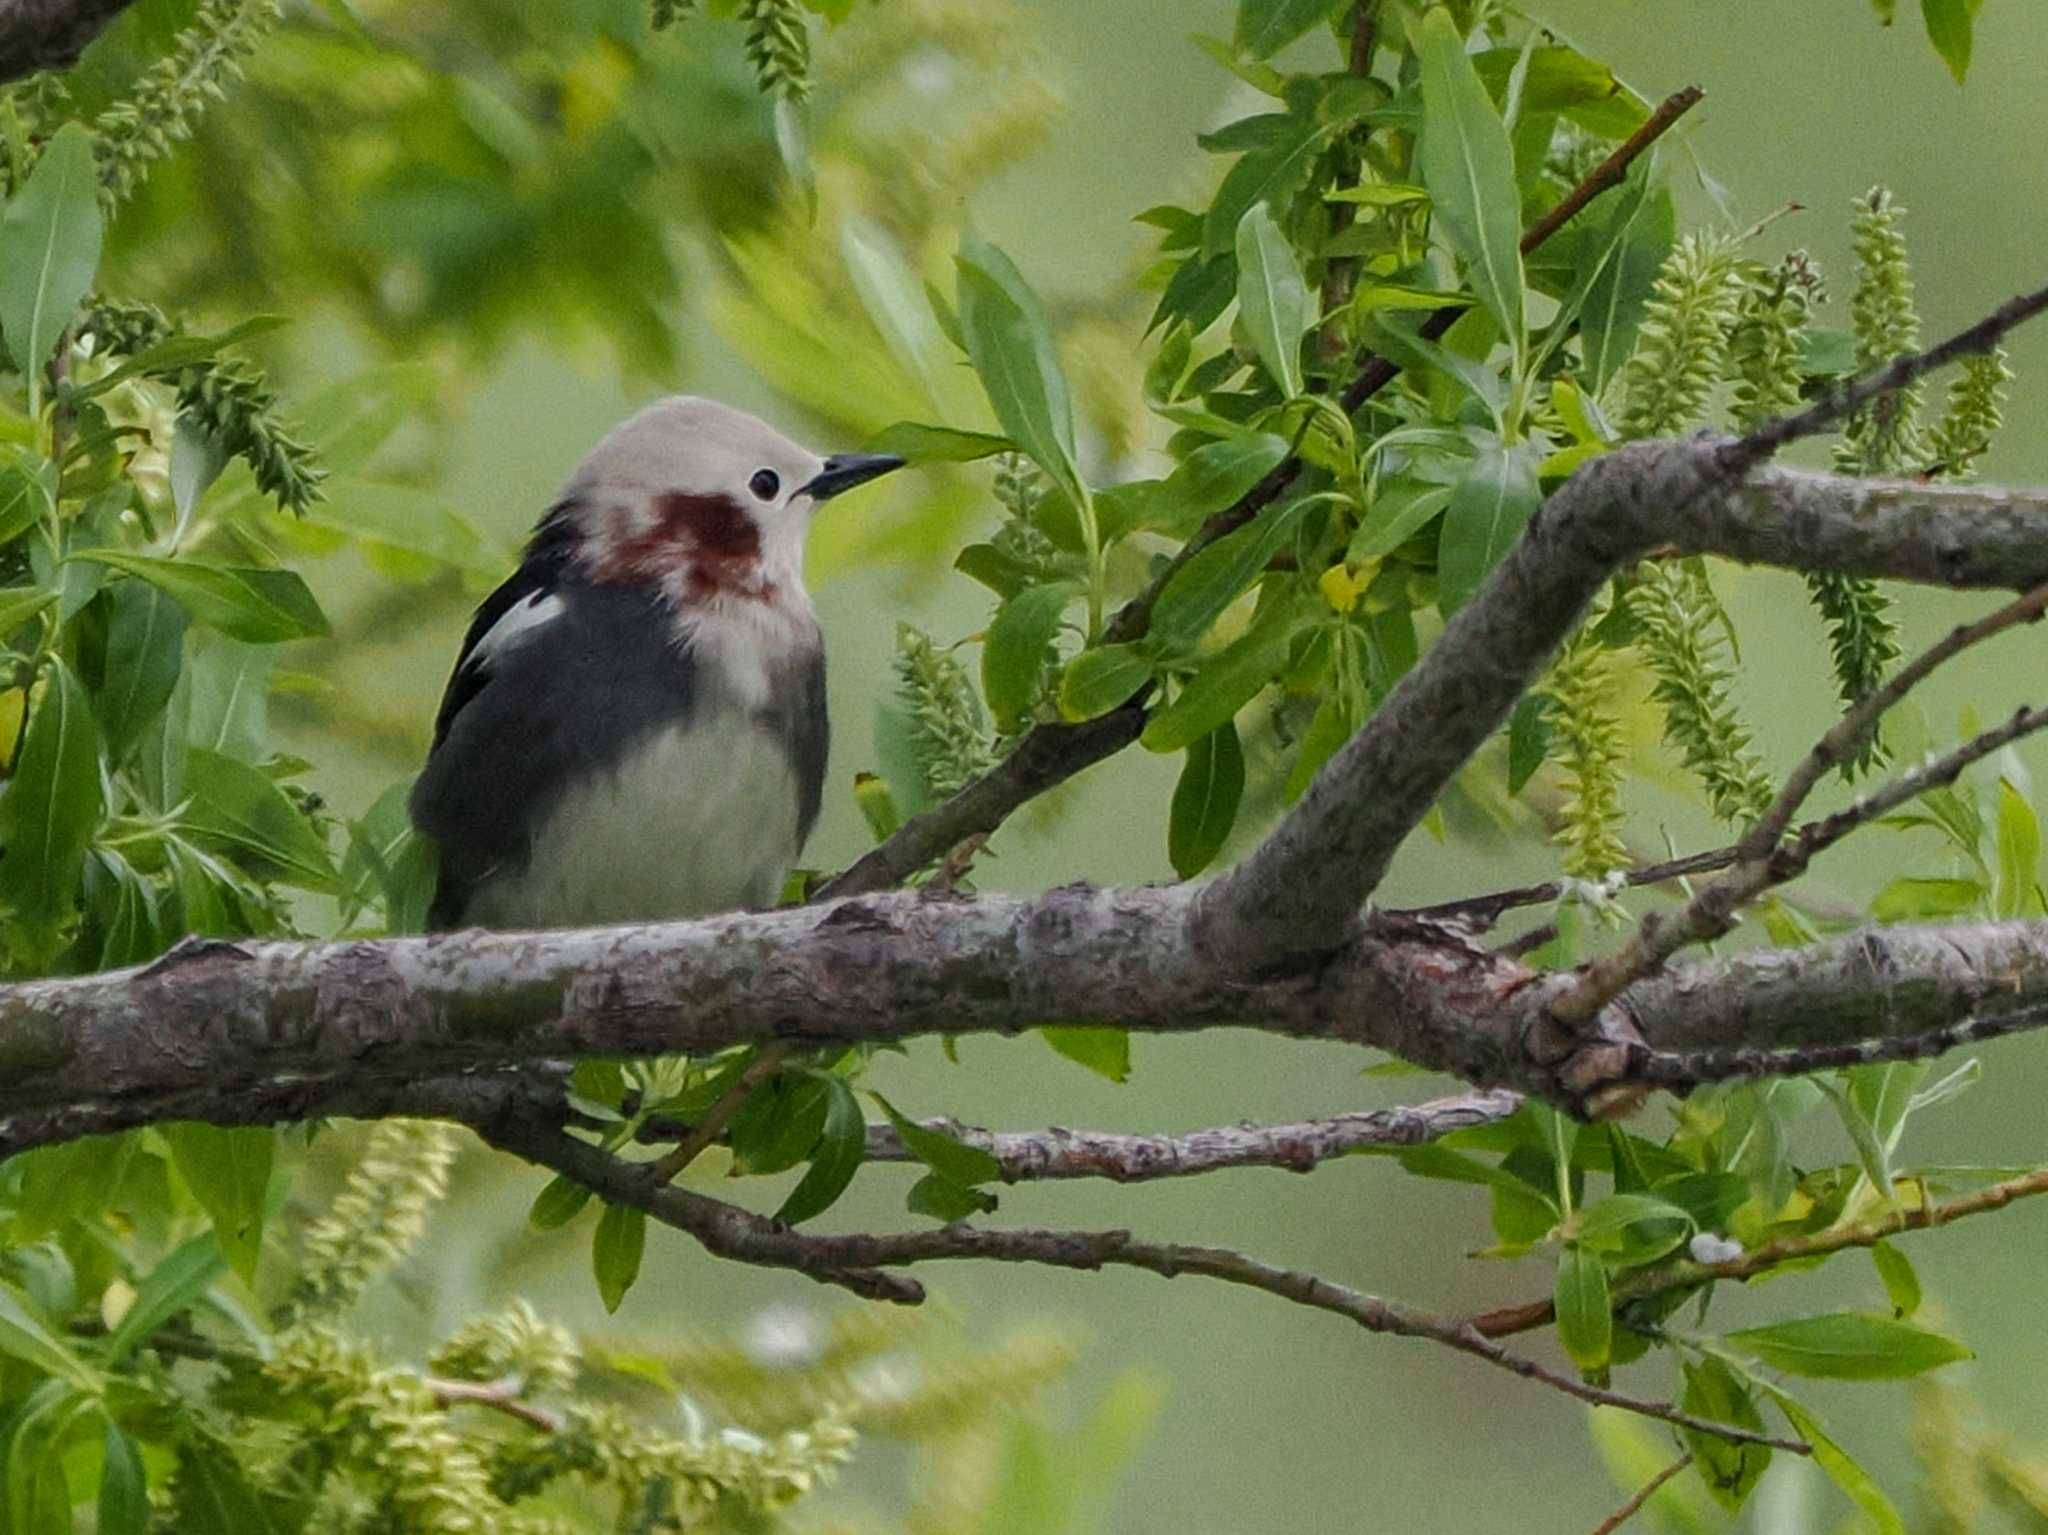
(1273, 174)
(941, 1198)
(53, 804)
(1013, 653)
(215, 1494)
(1272, 297)
(558, 1203)
(1099, 680)
(1400, 510)
(894, 300)
(259, 606)
(1333, 725)
(1729, 1470)
(1106, 1052)
(1214, 579)
(1585, 1317)
(24, 498)
(145, 653)
(1901, 1280)
(1205, 801)
(1528, 742)
(168, 1292)
(1907, 899)
(616, 1250)
(1468, 164)
(1950, 27)
(1264, 27)
(1841, 1467)
(1848, 1345)
(24, 1337)
(1216, 475)
(950, 1158)
(242, 807)
(837, 1157)
(124, 1486)
(49, 249)
(922, 444)
(1638, 238)
(408, 521)
(1489, 508)
(2019, 854)
(1011, 347)
(228, 1172)
(1223, 684)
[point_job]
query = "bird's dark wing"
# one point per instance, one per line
(525, 717)
(798, 719)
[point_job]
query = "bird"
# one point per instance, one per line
(635, 728)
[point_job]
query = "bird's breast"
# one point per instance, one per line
(700, 817)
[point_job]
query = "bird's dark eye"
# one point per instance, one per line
(765, 484)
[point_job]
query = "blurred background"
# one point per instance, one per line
(504, 223)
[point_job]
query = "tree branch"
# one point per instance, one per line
(1643, 1494)
(1057, 1153)
(1683, 1274)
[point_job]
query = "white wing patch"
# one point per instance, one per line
(518, 620)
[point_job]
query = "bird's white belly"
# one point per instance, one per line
(698, 819)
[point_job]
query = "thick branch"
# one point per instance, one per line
(1058, 1153)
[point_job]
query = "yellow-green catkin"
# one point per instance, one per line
(1682, 348)
(1766, 349)
(1685, 640)
(379, 1215)
(1586, 742)
(949, 731)
(1976, 410)
(778, 46)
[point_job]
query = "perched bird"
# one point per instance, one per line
(635, 728)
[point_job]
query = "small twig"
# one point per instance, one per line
(860, 1262)
(1477, 913)
(499, 1395)
(766, 1062)
(956, 865)
(1745, 453)
(1764, 859)
(1610, 171)
(1647, 1491)
(1059, 1153)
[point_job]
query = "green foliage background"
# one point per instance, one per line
(507, 366)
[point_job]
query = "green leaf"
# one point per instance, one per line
(124, 1486)
(49, 249)
(941, 1198)
(1264, 27)
(24, 499)
(1214, 579)
(1848, 1345)
(1216, 475)
(895, 301)
(1901, 1281)
(779, 1123)
(1605, 1224)
(951, 1159)
(1011, 347)
(1398, 510)
(1013, 654)
(215, 1495)
(2019, 854)
(558, 1203)
(170, 1289)
(1908, 900)
(1106, 1052)
(834, 1162)
(922, 444)
(616, 1250)
(1585, 1316)
(241, 807)
(228, 1172)
(24, 1337)
(1099, 680)
(1528, 742)
(1839, 1465)
(260, 606)
(1489, 508)
(53, 804)
(1272, 174)
(1223, 684)
(1950, 24)
(1205, 801)
(1730, 1470)
(398, 517)
(1638, 236)
(1272, 297)
(145, 652)
(1468, 164)
(61, 1182)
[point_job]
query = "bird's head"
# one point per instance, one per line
(707, 503)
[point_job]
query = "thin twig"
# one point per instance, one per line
(499, 1395)
(1647, 1491)
(1477, 913)
(1059, 1153)
(1609, 173)
(1764, 859)
(766, 1062)
(1683, 1274)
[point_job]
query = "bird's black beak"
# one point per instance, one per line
(843, 471)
